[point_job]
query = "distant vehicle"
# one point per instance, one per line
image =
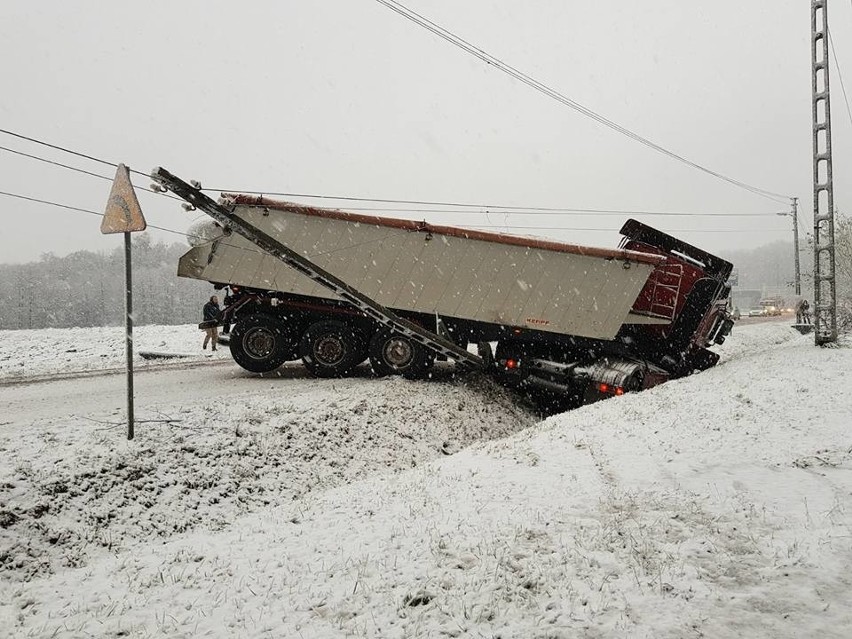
(772, 305)
(745, 299)
(758, 312)
(736, 313)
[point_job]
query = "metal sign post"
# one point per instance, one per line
(124, 215)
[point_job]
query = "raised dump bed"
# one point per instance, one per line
(415, 267)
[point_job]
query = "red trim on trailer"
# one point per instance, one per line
(451, 231)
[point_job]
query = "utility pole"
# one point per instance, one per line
(825, 299)
(796, 245)
(794, 213)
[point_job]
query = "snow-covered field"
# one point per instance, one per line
(32, 353)
(714, 506)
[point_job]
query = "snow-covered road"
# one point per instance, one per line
(97, 395)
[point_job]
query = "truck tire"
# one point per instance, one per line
(261, 343)
(331, 349)
(395, 354)
(634, 383)
(506, 350)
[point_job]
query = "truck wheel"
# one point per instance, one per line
(633, 383)
(261, 343)
(331, 349)
(510, 350)
(395, 354)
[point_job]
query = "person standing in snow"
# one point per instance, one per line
(211, 313)
(806, 312)
(229, 299)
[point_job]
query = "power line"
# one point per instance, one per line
(345, 198)
(59, 148)
(502, 226)
(466, 46)
(187, 235)
(348, 247)
(88, 211)
(839, 73)
(20, 136)
(161, 228)
(83, 171)
(538, 211)
(64, 166)
(483, 208)
(57, 204)
(565, 228)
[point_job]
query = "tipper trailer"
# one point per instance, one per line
(335, 289)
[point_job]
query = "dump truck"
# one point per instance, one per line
(336, 289)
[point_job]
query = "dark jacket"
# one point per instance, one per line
(211, 311)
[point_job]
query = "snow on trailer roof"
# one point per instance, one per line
(240, 199)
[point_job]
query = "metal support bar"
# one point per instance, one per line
(128, 327)
(369, 307)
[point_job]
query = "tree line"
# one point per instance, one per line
(86, 288)
(770, 267)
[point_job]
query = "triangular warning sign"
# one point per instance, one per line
(123, 213)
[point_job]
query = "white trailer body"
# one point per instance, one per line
(451, 272)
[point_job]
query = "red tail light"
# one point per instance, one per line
(511, 363)
(611, 390)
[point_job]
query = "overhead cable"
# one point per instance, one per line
(839, 74)
(495, 210)
(83, 171)
(81, 210)
(59, 148)
(563, 228)
(500, 226)
(466, 46)
(59, 164)
(482, 208)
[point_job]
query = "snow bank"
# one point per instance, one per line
(73, 487)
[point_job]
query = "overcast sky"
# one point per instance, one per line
(345, 97)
